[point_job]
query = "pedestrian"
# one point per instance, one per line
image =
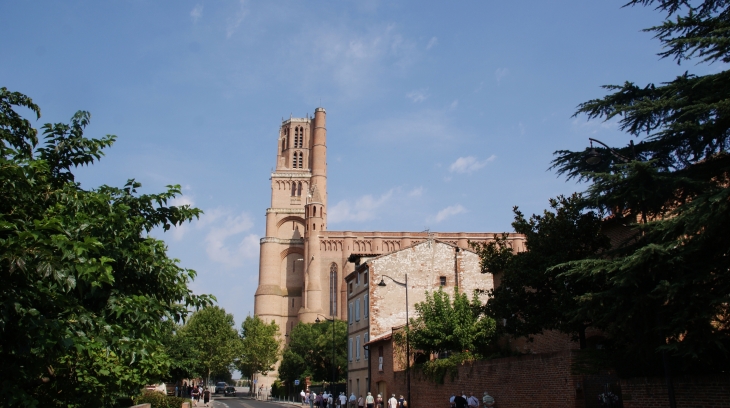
(370, 401)
(206, 397)
(196, 396)
(343, 400)
(303, 395)
(361, 402)
(392, 402)
(460, 401)
(402, 403)
(472, 401)
(451, 400)
(330, 400)
(353, 400)
(379, 401)
(488, 400)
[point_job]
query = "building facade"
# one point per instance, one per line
(302, 264)
(378, 304)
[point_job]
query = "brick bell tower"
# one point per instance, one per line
(290, 285)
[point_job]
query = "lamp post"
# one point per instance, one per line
(408, 344)
(593, 158)
(333, 347)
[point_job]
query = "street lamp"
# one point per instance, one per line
(333, 347)
(408, 344)
(593, 157)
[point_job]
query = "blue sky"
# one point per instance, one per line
(441, 115)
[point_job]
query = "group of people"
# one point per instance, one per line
(461, 400)
(195, 392)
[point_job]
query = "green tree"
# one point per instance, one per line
(533, 295)
(309, 352)
(444, 325)
(182, 353)
(214, 338)
(260, 346)
(669, 285)
(85, 289)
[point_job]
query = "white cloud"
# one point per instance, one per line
(178, 232)
(500, 73)
(225, 243)
(449, 211)
(416, 192)
(365, 208)
(196, 12)
(235, 21)
(418, 95)
(432, 43)
(469, 164)
(454, 104)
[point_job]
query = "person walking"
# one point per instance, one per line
(392, 402)
(402, 403)
(196, 396)
(361, 402)
(488, 400)
(472, 401)
(343, 400)
(379, 401)
(370, 401)
(206, 397)
(303, 396)
(460, 401)
(353, 400)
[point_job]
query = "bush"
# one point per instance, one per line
(159, 400)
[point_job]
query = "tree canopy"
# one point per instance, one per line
(309, 352)
(260, 346)
(214, 339)
(533, 295)
(85, 289)
(670, 283)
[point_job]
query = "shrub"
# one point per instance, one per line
(159, 400)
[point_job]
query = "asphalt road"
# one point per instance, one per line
(241, 402)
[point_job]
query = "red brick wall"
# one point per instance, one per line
(541, 380)
(689, 392)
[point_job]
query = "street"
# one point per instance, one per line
(245, 402)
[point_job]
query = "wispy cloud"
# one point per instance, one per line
(500, 73)
(418, 95)
(432, 43)
(196, 12)
(225, 242)
(416, 192)
(454, 104)
(363, 209)
(427, 125)
(448, 212)
(235, 21)
(469, 164)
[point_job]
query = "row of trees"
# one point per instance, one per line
(310, 352)
(657, 292)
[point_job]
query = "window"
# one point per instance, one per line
(357, 310)
(293, 189)
(299, 189)
(442, 280)
(365, 278)
(366, 304)
(333, 289)
(349, 349)
(350, 287)
(314, 211)
(357, 349)
(367, 348)
(349, 313)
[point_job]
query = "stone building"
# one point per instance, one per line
(377, 304)
(302, 264)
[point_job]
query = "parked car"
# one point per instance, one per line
(230, 391)
(220, 387)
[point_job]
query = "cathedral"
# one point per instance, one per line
(302, 264)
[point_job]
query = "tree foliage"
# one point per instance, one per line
(670, 285)
(85, 288)
(260, 346)
(214, 339)
(309, 352)
(533, 295)
(457, 326)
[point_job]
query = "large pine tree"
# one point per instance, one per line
(669, 285)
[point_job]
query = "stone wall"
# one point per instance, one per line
(689, 392)
(541, 380)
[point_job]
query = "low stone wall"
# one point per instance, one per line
(689, 392)
(539, 380)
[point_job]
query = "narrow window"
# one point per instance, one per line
(333, 289)
(299, 189)
(357, 310)
(315, 211)
(314, 226)
(349, 313)
(292, 303)
(367, 348)
(350, 286)
(367, 305)
(293, 189)
(357, 349)
(442, 280)
(349, 349)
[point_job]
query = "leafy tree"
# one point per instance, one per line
(670, 283)
(182, 353)
(214, 340)
(260, 346)
(85, 289)
(533, 295)
(309, 352)
(456, 326)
